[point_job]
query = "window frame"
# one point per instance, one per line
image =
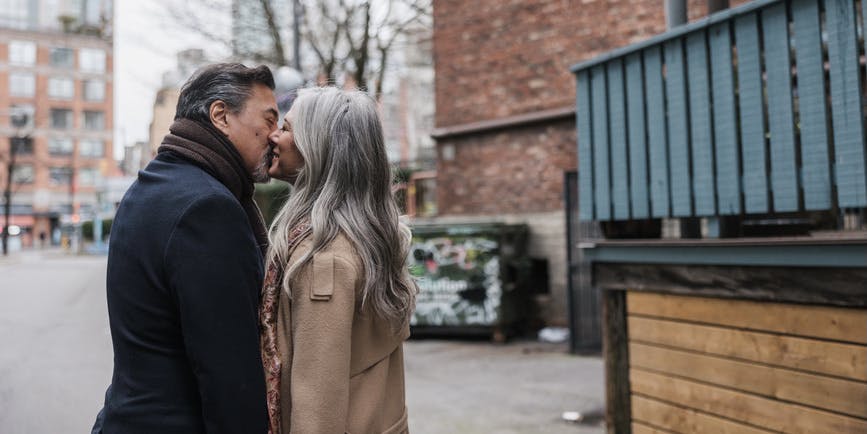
(86, 57)
(31, 92)
(68, 88)
(29, 55)
(71, 62)
(70, 119)
(101, 117)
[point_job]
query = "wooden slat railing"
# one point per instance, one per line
(753, 111)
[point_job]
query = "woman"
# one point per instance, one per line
(338, 296)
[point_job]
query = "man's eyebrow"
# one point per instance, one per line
(272, 112)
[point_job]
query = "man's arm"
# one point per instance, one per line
(214, 269)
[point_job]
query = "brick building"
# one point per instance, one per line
(505, 97)
(56, 66)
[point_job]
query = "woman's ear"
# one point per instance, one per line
(219, 114)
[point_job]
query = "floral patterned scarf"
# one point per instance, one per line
(268, 329)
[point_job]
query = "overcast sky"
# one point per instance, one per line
(146, 41)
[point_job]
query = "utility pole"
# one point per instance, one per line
(19, 120)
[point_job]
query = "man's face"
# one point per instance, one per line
(249, 129)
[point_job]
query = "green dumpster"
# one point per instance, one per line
(472, 278)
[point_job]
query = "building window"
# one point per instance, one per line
(62, 57)
(91, 60)
(94, 121)
(61, 119)
(23, 174)
(94, 90)
(22, 53)
(22, 84)
(88, 176)
(26, 109)
(22, 145)
(60, 146)
(91, 148)
(14, 14)
(61, 88)
(60, 175)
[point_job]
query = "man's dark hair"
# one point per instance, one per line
(231, 83)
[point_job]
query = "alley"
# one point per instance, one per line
(56, 363)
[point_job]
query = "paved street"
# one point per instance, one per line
(56, 349)
(56, 362)
(480, 388)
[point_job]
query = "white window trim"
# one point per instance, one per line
(31, 89)
(55, 84)
(86, 55)
(29, 57)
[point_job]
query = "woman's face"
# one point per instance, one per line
(286, 161)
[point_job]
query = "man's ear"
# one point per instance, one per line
(219, 114)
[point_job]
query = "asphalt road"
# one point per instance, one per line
(56, 362)
(56, 354)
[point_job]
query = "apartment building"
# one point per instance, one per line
(56, 102)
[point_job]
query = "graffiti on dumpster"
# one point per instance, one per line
(458, 279)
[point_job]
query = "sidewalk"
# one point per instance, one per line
(519, 388)
(31, 255)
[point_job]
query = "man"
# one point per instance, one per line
(185, 267)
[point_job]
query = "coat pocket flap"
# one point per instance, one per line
(323, 277)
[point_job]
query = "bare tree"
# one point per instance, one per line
(391, 28)
(371, 30)
(345, 38)
(323, 25)
(273, 32)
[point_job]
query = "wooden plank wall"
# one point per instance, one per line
(708, 365)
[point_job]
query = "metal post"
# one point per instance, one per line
(675, 13)
(19, 120)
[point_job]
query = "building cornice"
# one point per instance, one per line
(503, 123)
(57, 38)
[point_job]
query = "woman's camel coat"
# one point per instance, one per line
(342, 368)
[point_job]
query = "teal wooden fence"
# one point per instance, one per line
(755, 110)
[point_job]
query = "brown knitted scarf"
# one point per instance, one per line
(268, 310)
(205, 146)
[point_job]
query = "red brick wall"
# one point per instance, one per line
(496, 58)
(510, 171)
(500, 58)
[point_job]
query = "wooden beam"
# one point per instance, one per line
(813, 355)
(754, 410)
(833, 394)
(752, 252)
(845, 325)
(640, 428)
(820, 285)
(615, 347)
(685, 420)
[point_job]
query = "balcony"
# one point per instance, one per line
(749, 123)
(750, 115)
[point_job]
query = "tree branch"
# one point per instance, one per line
(280, 54)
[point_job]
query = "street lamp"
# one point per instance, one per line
(19, 119)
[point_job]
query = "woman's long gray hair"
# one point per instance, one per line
(345, 186)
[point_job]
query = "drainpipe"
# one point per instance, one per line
(675, 13)
(716, 5)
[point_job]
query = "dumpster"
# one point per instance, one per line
(472, 279)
